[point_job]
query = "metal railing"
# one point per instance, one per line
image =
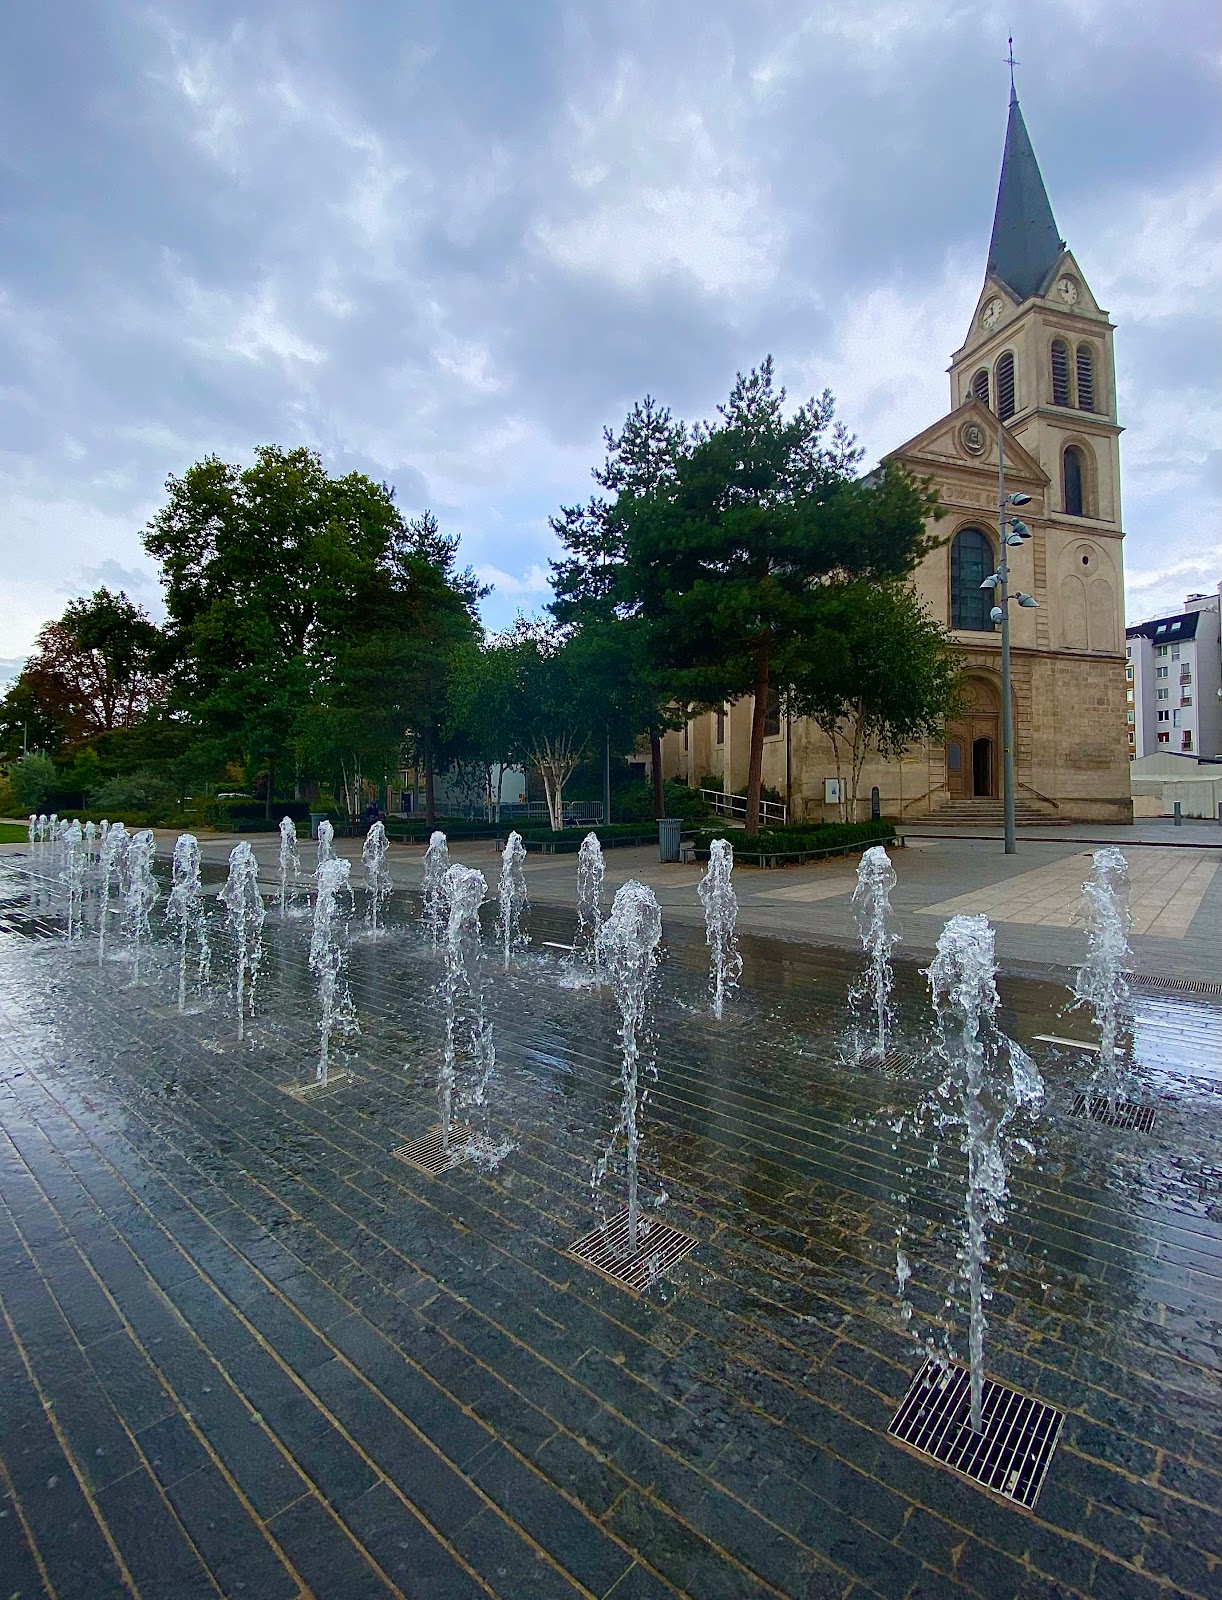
(735, 805)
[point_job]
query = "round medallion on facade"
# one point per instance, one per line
(1067, 289)
(971, 437)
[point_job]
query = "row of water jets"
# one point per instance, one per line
(984, 1080)
(986, 1088)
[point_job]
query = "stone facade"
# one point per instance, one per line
(1036, 371)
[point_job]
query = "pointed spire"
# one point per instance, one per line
(1025, 243)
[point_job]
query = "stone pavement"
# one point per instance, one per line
(246, 1351)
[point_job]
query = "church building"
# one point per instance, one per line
(1035, 372)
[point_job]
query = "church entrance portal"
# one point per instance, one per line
(972, 744)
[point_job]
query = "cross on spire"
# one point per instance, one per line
(1012, 62)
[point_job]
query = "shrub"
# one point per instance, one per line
(145, 795)
(224, 813)
(799, 838)
(34, 780)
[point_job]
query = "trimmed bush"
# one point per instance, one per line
(799, 838)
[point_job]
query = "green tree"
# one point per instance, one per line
(33, 780)
(390, 691)
(642, 458)
(725, 561)
(263, 568)
(885, 677)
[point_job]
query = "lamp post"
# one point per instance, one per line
(1011, 531)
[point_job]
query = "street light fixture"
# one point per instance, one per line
(1011, 530)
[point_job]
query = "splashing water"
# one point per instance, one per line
(74, 878)
(981, 1096)
(590, 871)
(91, 840)
(326, 845)
(244, 913)
(436, 912)
(52, 832)
(467, 1030)
(290, 863)
(185, 908)
(1102, 981)
(512, 897)
(115, 845)
(720, 919)
(628, 952)
(329, 958)
(378, 881)
(140, 895)
(871, 993)
(32, 830)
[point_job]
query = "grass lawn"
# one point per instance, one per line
(13, 833)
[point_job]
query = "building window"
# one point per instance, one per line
(1175, 652)
(1005, 386)
(1060, 373)
(772, 715)
(1128, 650)
(980, 385)
(1185, 699)
(1129, 716)
(1185, 674)
(971, 562)
(1160, 649)
(1128, 672)
(1075, 505)
(1175, 719)
(719, 730)
(1160, 672)
(1186, 741)
(1164, 716)
(1164, 694)
(1086, 378)
(1164, 738)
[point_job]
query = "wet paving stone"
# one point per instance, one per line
(243, 1349)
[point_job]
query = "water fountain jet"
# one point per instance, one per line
(512, 897)
(244, 913)
(140, 895)
(378, 881)
(435, 912)
(871, 993)
(1102, 981)
(720, 920)
(185, 907)
(329, 961)
(590, 872)
(290, 863)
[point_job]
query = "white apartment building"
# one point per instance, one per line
(1174, 679)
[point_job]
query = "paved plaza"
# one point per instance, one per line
(246, 1350)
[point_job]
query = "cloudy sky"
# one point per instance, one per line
(445, 241)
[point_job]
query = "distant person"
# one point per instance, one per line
(371, 814)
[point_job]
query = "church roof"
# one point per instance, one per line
(1026, 244)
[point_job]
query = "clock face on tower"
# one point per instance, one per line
(990, 314)
(1068, 290)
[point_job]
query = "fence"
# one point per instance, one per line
(575, 811)
(735, 805)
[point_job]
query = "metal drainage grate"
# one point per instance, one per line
(1117, 1114)
(313, 1090)
(430, 1154)
(606, 1250)
(1012, 1453)
(1179, 985)
(898, 1064)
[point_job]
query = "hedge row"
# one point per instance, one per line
(797, 841)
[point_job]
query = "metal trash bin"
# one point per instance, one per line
(668, 838)
(315, 818)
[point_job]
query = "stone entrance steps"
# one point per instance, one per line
(988, 812)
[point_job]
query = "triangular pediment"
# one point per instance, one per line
(1076, 296)
(966, 440)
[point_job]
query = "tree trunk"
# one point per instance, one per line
(271, 789)
(430, 797)
(755, 770)
(655, 761)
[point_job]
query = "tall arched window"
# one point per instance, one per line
(1060, 373)
(980, 385)
(971, 562)
(1005, 386)
(1086, 378)
(1073, 472)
